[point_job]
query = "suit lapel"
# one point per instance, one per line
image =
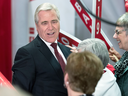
(63, 49)
(50, 57)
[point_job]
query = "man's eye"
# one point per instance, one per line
(44, 23)
(54, 21)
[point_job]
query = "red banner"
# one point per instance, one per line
(67, 39)
(98, 22)
(83, 14)
(88, 21)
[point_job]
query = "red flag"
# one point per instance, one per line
(5, 39)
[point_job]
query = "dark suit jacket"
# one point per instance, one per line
(37, 71)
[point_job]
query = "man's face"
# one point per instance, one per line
(48, 26)
(121, 37)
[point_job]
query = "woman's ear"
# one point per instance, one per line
(66, 80)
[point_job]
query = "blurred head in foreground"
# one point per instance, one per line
(79, 77)
(6, 91)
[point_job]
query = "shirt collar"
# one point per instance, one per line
(47, 43)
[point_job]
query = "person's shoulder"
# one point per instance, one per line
(29, 47)
(34, 42)
(123, 79)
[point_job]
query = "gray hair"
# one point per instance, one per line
(45, 7)
(123, 21)
(97, 47)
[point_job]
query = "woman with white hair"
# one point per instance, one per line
(107, 85)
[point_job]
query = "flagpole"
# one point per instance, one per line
(93, 19)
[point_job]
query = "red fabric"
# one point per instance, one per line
(111, 68)
(5, 39)
(126, 5)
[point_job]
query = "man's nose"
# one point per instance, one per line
(50, 26)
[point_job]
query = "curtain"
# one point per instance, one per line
(5, 39)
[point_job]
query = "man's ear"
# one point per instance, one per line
(36, 27)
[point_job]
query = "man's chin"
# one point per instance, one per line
(51, 41)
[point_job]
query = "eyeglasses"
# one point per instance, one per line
(119, 31)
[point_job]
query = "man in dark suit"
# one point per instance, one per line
(36, 67)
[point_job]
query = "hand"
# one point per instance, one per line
(114, 55)
(73, 49)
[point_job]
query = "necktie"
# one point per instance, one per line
(59, 57)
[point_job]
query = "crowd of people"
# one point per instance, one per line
(45, 67)
(98, 47)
